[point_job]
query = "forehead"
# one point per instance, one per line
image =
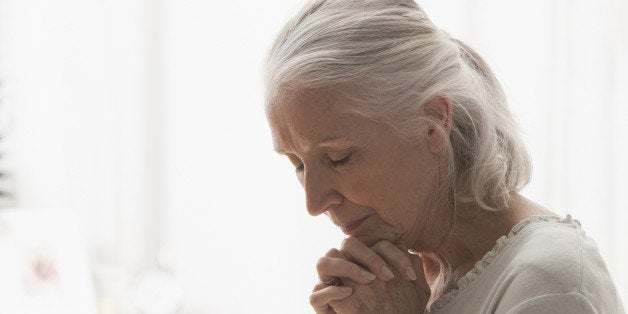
(299, 120)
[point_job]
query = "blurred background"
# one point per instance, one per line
(137, 170)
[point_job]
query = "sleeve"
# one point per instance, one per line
(575, 303)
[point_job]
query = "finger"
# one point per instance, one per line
(421, 283)
(334, 252)
(331, 253)
(396, 257)
(329, 267)
(363, 272)
(320, 286)
(417, 265)
(415, 258)
(358, 251)
(402, 246)
(320, 299)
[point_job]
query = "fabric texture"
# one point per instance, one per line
(544, 265)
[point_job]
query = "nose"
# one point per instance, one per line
(320, 193)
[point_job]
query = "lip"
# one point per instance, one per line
(352, 225)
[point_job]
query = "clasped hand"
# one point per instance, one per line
(383, 278)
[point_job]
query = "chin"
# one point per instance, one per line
(370, 238)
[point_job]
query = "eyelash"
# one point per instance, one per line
(334, 163)
(340, 162)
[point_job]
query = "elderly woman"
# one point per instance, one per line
(402, 136)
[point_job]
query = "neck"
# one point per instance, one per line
(449, 254)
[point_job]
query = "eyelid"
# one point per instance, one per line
(345, 156)
(341, 161)
(341, 153)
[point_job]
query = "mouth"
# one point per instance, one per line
(352, 225)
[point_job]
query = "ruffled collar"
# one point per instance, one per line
(494, 253)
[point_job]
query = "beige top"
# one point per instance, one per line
(544, 265)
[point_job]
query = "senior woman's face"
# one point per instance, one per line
(370, 182)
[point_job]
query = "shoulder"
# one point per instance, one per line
(554, 261)
(551, 251)
(555, 302)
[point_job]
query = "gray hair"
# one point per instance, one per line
(391, 59)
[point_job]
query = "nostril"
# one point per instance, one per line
(326, 202)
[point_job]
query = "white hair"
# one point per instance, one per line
(391, 59)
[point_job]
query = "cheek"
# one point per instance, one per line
(363, 191)
(392, 198)
(401, 195)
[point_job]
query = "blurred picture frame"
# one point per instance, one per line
(44, 266)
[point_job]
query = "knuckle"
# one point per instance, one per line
(347, 243)
(322, 263)
(332, 252)
(318, 286)
(319, 299)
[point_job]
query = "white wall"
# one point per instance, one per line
(242, 237)
(79, 92)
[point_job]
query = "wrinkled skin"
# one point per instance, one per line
(395, 296)
(404, 293)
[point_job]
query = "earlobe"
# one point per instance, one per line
(439, 112)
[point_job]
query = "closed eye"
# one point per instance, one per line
(339, 162)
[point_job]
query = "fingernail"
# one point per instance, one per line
(410, 273)
(387, 272)
(366, 275)
(346, 289)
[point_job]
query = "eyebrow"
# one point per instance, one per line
(322, 143)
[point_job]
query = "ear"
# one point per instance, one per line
(438, 110)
